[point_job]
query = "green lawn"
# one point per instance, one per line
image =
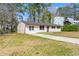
(23, 44)
(66, 34)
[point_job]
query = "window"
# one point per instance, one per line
(31, 28)
(41, 27)
(58, 26)
(53, 26)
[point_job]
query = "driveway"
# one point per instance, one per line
(58, 38)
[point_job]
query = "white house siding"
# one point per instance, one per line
(21, 28)
(36, 29)
(25, 29)
(54, 29)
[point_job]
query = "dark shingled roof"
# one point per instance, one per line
(45, 24)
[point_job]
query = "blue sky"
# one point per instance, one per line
(59, 4)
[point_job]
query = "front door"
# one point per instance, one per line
(47, 28)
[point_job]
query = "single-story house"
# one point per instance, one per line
(32, 27)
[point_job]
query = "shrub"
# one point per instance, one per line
(70, 27)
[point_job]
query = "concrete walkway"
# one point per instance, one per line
(58, 38)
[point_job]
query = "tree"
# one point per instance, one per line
(66, 11)
(45, 13)
(76, 10)
(77, 17)
(37, 11)
(8, 16)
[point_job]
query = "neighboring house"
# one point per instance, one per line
(76, 22)
(72, 21)
(58, 20)
(68, 21)
(32, 27)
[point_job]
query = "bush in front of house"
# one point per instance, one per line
(70, 27)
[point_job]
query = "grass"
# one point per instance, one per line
(27, 45)
(65, 34)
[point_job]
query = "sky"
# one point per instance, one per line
(59, 4)
(53, 8)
